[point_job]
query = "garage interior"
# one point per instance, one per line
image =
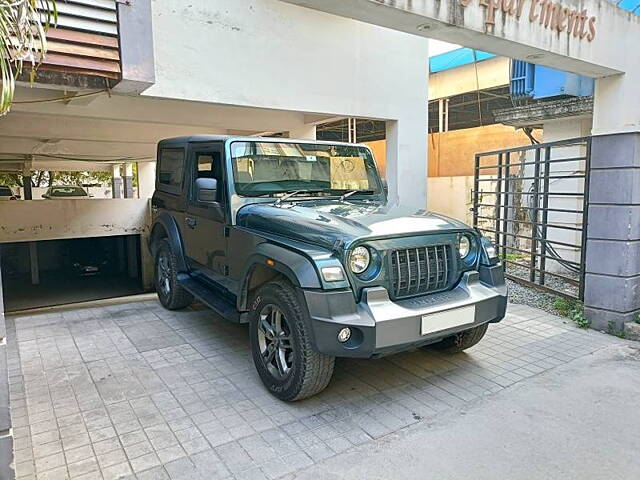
(57, 272)
(57, 131)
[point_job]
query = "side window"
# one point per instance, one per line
(171, 169)
(206, 168)
(209, 165)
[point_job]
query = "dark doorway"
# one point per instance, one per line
(58, 272)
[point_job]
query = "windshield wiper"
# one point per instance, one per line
(292, 193)
(346, 195)
(287, 196)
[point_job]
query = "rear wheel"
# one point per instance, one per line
(280, 344)
(461, 341)
(171, 295)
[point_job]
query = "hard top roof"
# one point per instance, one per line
(176, 141)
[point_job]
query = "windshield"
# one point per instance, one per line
(267, 168)
(67, 192)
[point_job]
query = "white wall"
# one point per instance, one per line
(509, 36)
(57, 219)
(269, 54)
(451, 196)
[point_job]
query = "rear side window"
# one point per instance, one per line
(171, 169)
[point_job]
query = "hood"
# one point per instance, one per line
(325, 224)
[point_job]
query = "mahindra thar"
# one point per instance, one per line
(298, 239)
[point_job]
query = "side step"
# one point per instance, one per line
(212, 298)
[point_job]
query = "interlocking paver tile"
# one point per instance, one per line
(132, 390)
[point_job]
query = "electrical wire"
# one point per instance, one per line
(548, 249)
(61, 99)
(528, 131)
(475, 64)
(533, 204)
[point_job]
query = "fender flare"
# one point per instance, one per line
(297, 268)
(170, 227)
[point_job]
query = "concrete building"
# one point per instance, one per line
(149, 88)
(120, 76)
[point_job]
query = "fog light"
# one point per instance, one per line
(344, 334)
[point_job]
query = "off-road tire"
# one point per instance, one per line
(176, 297)
(311, 371)
(461, 341)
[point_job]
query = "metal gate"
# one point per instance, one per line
(532, 201)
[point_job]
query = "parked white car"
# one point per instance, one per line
(66, 192)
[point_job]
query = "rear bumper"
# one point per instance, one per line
(381, 326)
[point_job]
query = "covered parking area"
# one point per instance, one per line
(44, 242)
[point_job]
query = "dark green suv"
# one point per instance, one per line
(297, 239)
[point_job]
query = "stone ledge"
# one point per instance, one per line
(603, 320)
(632, 331)
(534, 114)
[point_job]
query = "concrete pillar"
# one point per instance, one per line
(132, 256)
(116, 182)
(146, 186)
(303, 132)
(612, 283)
(6, 435)
(34, 263)
(146, 179)
(26, 185)
(128, 180)
(407, 160)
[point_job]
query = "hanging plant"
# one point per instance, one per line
(23, 26)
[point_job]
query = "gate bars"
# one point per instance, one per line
(533, 202)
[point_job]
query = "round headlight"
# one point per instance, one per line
(464, 247)
(359, 259)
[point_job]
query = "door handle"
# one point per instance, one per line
(190, 221)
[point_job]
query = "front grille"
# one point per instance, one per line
(416, 271)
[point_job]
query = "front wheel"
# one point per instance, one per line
(280, 344)
(461, 341)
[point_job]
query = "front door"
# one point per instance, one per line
(204, 223)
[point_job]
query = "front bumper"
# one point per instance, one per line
(381, 326)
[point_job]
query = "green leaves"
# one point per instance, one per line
(23, 25)
(573, 310)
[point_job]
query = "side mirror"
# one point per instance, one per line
(207, 190)
(385, 186)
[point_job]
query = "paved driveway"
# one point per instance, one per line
(135, 391)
